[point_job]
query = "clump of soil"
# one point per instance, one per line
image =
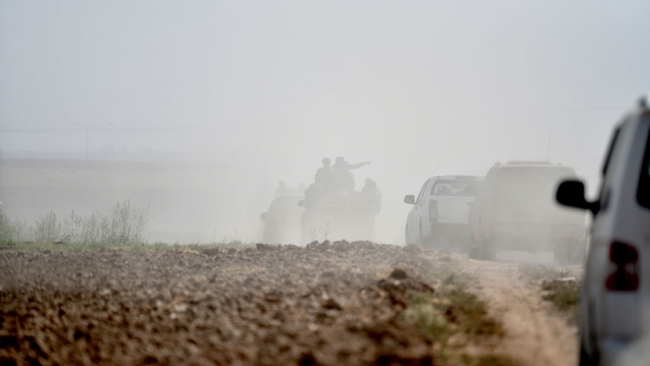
(328, 303)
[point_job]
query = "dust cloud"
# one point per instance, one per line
(197, 111)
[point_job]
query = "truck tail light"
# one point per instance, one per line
(625, 276)
(433, 211)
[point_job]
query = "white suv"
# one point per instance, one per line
(615, 298)
(440, 213)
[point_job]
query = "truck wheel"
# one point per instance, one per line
(427, 241)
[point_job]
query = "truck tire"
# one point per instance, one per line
(426, 241)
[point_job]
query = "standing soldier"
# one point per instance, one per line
(325, 175)
(367, 206)
(370, 197)
(315, 197)
(343, 177)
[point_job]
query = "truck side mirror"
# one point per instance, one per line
(263, 216)
(410, 199)
(572, 193)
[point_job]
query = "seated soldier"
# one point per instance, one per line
(314, 196)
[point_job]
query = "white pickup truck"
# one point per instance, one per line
(439, 217)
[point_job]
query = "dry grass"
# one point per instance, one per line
(470, 314)
(10, 229)
(122, 225)
(563, 294)
(540, 272)
(452, 318)
(203, 248)
(557, 285)
(424, 313)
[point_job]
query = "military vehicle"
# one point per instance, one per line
(282, 220)
(339, 215)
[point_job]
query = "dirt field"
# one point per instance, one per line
(332, 304)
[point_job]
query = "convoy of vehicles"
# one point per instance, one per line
(339, 217)
(439, 217)
(516, 210)
(614, 294)
(320, 215)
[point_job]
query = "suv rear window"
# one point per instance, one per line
(529, 183)
(643, 190)
(465, 188)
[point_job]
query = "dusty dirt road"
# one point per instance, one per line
(536, 332)
(331, 304)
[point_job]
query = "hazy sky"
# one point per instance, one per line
(417, 87)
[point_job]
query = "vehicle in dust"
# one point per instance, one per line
(340, 215)
(282, 220)
(439, 217)
(615, 299)
(516, 210)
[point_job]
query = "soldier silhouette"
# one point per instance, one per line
(325, 175)
(343, 177)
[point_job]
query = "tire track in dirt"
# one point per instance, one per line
(536, 333)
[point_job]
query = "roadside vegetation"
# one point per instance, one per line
(206, 248)
(10, 230)
(453, 318)
(562, 293)
(541, 272)
(558, 286)
(452, 312)
(122, 225)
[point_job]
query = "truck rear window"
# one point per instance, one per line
(463, 188)
(643, 190)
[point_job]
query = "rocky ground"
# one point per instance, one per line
(328, 303)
